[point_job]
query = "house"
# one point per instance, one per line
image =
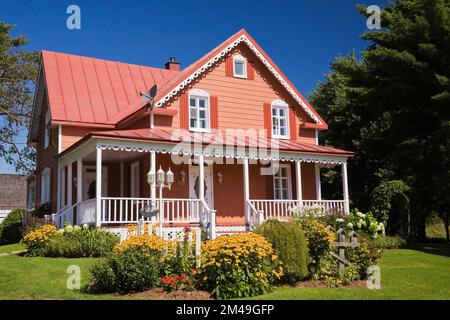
(13, 192)
(239, 138)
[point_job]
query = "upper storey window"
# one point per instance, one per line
(240, 66)
(199, 111)
(47, 130)
(280, 119)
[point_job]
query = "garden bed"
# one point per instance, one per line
(160, 294)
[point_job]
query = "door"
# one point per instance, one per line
(89, 182)
(194, 184)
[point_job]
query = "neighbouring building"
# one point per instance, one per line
(13, 193)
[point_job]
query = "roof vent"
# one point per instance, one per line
(172, 64)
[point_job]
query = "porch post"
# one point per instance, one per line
(79, 185)
(318, 187)
(69, 188)
(246, 192)
(201, 163)
(153, 171)
(345, 187)
(298, 180)
(98, 187)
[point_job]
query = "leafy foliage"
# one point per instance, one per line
(11, 227)
(241, 265)
(391, 107)
(18, 72)
(290, 245)
(382, 197)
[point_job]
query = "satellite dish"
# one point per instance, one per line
(149, 95)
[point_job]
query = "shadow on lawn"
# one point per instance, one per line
(441, 248)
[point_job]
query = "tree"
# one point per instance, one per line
(392, 107)
(18, 72)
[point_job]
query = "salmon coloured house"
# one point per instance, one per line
(231, 135)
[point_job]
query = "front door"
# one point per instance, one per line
(194, 184)
(89, 183)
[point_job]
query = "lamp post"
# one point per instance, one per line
(162, 180)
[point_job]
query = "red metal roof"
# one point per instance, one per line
(88, 90)
(170, 135)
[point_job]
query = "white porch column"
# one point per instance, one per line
(153, 170)
(318, 187)
(79, 186)
(345, 188)
(246, 191)
(69, 184)
(58, 187)
(201, 167)
(98, 186)
(298, 181)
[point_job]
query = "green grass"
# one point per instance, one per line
(12, 247)
(420, 273)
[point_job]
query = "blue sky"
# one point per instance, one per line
(302, 37)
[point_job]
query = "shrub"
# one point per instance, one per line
(388, 242)
(320, 240)
(328, 271)
(364, 224)
(76, 242)
(289, 243)
(240, 265)
(37, 240)
(364, 256)
(185, 281)
(128, 270)
(11, 227)
(42, 210)
(147, 243)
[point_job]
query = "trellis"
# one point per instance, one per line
(343, 243)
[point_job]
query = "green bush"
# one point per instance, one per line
(289, 243)
(11, 227)
(364, 256)
(127, 270)
(390, 242)
(328, 271)
(42, 210)
(78, 242)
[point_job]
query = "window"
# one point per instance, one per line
(198, 111)
(47, 130)
(281, 183)
(239, 66)
(134, 188)
(45, 185)
(280, 119)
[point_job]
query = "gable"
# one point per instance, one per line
(194, 72)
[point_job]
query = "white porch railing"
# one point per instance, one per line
(86, 212)
(283, 209)
(116, 210)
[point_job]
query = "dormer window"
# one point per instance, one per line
(240, 66)
(280, 119)
(199, 111)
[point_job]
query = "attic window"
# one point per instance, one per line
(47, 130)
(240, 67)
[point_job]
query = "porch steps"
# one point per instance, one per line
(230, 229)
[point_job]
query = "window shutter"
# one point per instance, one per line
(268, 119)
(229, 66)
(250, 71)
(184, 111)
(293, 124)
(214, 109)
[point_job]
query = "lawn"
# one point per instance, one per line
(419, 273)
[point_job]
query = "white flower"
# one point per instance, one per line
(358, 225)
(68, 228)
(350, 225)
(85, 226)
(77, 228)
(60, 230)
(339, 220)
(380, 226)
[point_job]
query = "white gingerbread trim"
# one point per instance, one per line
(221, 55)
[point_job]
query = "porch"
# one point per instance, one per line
(223, 194)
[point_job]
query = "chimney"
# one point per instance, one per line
(172, 64)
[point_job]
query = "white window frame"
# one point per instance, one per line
(46, 185)
(278, 105)
(199, 94)
(135, 191)
(47, 129)
(276, 176)
(239, 58)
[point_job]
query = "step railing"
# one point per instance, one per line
(117, 210)
(256, 216)
(209, 218)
